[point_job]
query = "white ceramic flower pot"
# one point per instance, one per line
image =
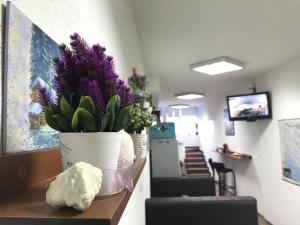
(146, 105)
(150, 109)
(99, 149)
(140, 142)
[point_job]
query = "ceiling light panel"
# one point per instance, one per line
(219, 65)
(189, 96)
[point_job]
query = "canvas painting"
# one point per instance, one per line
(289, 131)
(27, 67)
(229, 125)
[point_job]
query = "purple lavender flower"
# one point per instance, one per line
(79, 46)
(129, 97)
(88, 71)
(44, 97)
(95, 93)
(122, 92)
(83, 86)
(99, 51)
(66, 57)
(63, 88)
(109, 69)
(59, 65)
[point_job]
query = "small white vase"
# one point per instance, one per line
(146, 105)
(140, 142)
(100, 149)
(150, 109)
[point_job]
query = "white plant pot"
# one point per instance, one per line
(140, 142)
(150, 109)
(146, 105)
(100, 149)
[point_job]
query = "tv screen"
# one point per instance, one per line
(249, 106)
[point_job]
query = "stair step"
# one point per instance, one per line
(196, 165)
(193, 150)
(196, 159)
(192, 147)
(192, 154)
(197, 170)
(198, 175)
(187, 152)
(200, 157)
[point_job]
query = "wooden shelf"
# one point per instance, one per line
(28, 206)
(235, 155)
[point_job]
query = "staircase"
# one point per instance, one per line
(194, 162)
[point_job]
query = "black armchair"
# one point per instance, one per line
(173, 202)
(201, 210)
(178, 186)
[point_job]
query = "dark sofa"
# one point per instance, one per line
(173, 202)
(179, 186)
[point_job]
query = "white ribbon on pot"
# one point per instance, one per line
(115, 181)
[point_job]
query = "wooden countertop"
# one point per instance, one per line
(29, 206)
(235, 155)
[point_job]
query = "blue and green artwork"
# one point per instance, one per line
(28, 66)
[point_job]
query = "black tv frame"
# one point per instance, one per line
(251, 118)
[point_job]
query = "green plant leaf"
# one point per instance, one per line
(86, 120)
(140, 120)
(87, 103)
(54, 108)
(72, 99)
(75, 120)
(124, 118)
(104, 122)
(66, 109)
(62, 122)
(112, 108)
(49, 112)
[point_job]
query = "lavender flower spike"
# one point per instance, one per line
(95, 93)
(79, 46)
(45, 97)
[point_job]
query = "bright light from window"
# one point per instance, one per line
(218, 66)
(179, 106)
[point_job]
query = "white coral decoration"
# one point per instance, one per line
(126, 156)
(75, 187)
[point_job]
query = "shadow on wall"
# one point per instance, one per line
(126, 37)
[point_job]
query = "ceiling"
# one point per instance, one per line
(176, 33)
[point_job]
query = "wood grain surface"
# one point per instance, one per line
(20, 171)
(27, 199)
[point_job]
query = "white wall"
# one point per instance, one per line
(154, 86)
(108, 22)
(278, 201)
(135, 212)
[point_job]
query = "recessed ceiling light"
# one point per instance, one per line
(179, 106)
(219, 65)
(189, 96)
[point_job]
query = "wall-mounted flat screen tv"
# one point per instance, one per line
(249, 107)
